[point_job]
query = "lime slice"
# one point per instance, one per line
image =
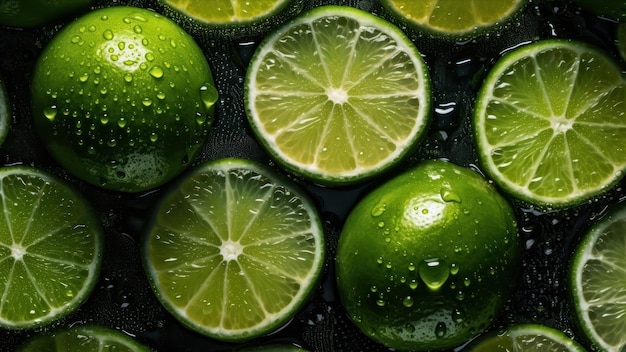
(597, 279)
(234, 250)
(337, 95)
(454, 18)
(5, 112)
(50, 248)
(83, 338)
(228, 12)
(526, 338)
(549, 123)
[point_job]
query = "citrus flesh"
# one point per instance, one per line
(123, 98)
(549, 123)
(597, 281)
(228, 12)
(526, 338)
(50, 248)
(5, 112)
(337, 95)
(234, 250)
(454, 18)
(84, 338)
(426, 260)
(34, 13)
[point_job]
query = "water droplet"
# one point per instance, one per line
(379, 260)
(104, 119)
(378, 210)
(128, 77)
(156, 72)
(441, 329)
(108, 35)
(75, 39)
(208, 95)
(413, 284)
(84, 77)
(449, 196)
(457, 316)
(146, 102)
(381, 224)
(121, 122)
(149, 57)
(434, 272)
(112, 142)
(161, 95)
(50, 112)
(412, 267)
(408, 301)
(137, 29)
(374, 288)
(380, 303)
(454, 269)
(153, 137)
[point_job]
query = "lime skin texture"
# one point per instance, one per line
(426, 260)
(123, 98)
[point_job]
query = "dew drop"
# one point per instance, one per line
(408, 301)
(441, 329)
(208, 95)
(153, 137)
(84, 77)
(434, 272)
(449, 196)
(149, 57)
(121, 122)
(146, 102)
(108, 35)
(378, 210)
(75, 39)
(156, 72)
(137, 29)
(50, 112)
(128, 77)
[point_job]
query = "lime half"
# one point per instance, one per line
(234, 250)
(597, 281)
(228, 12)
(338, 95)
(83, 338)
(526, 338)
(550, 123)
(453, 18)
(50, 248)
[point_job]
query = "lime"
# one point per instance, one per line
(426, 260)
(549, 123)
(50, 248)
(449, 18)
(123, 98)
(83, 338)
(597, 280)
(228, 12)
(337, 95)
(234, 250)
(614, 9)
(34, 13)
(526, 338)
(5, 112)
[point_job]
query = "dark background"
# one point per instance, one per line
(122, 298)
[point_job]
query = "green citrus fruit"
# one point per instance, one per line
(34, 13)
(51, 247)
(526, 338)
(234, 250)
(426, 260)
(228, 12)
(84, 338)
(123, 98)
(597, 279)
(454, 19)
(549, 123)
(338, 95)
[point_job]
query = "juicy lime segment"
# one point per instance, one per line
(50, 248)
(549, 123)
(454, 18)
(597, 281)
(123, 98)
(228, 12)
(84, 338)
(234, 250)
(426, 260)
(526, 338)
(338, 95)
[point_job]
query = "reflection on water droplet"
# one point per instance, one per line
(153, 137)
(75, 39)
(137, 29)
(121, 122)
(208, 95)
(380, 303)
(381, 224)
(457, 316)
(408, 301)
(434, 272)
(156, 72)
(441, 329)
(108, 35)
(50, 112)
(413, 284)
(449, 196)
(378, 210)
(454, 269)
(149, 57)
(128, 77)
(146, 102)
(374, 288)
(84, 77)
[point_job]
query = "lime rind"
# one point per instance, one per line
(236, 21)
(51, 247)
(528, 338)
(321, 102)
(83, 338)
(477, 29)
(260, 279)
(560, 128)
(597, 280)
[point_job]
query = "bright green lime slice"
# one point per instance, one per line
(228, 12)
(83, 338)
(5, 112)
(597, 280)
(454, 18)
(527, 338)
(550, 123)
(234, 250)
(50, 248)
(338, 95)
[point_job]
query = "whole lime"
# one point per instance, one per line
(426, 260)
(123, 98)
